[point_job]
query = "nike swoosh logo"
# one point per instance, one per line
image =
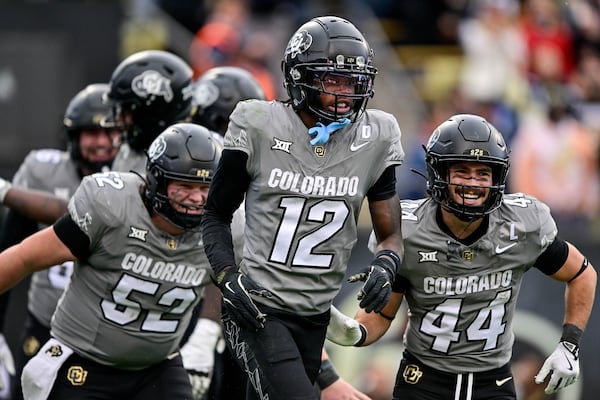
(569, 362)
(354, 147)
(500, 382)
(228, 287)
(500, 250)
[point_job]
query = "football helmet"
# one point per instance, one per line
(87, 110)
(183, 152)
(328, 47)
(155, 88)
(217, 92)
(466, 137)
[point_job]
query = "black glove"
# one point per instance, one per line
(378, 279)
(236, 289)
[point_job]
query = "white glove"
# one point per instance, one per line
(344, 330)
(563, 364)
(7, 368)
(4, 187)
(198, 355)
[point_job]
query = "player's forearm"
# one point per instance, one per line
(211, 303)
(13, 268)
(375, 325)
(36, 204)
(579, 298)
(387, 224)
(218, 242)
(35, 253)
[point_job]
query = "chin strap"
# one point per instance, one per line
(321, 131)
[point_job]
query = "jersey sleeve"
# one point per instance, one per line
(548, 229)
(395, 154)
(236, 137)
(93, 207)
(535, 218)
(34, 163)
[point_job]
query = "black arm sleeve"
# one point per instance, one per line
(553, 258)
(4, 299)
(401, 284)
(72, 236)
(226, 194)
(385, 187)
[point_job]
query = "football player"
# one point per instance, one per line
(304, 168)
(217, 92)
(467, 248)
(91, 148)
(151, 90)
(139, 269)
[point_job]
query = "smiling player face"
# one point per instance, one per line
(469, 183)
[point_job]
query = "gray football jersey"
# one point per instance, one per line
(129, 303)
(303, 202)
(52, 171)
(462, 298)
(128, 160)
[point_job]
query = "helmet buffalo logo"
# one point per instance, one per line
(151, 83)
(157, 148)
(206, 94)
(299, 43)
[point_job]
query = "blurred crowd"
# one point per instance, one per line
(532, 67)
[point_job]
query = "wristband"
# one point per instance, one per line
(386, 316)
(363, 336)
(571, 334)
(389, 259)
(327, 374)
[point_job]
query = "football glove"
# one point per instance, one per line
(7, 368)
(236, 289)
(562, 365)
(198, 355)
(344, 330)
(4, 188)
(378, 279)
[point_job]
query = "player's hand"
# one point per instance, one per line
(344, 330)
(236, 289)
(4, 187)
(562, 365)
(7, 368)
(198, 355)
(377, 288)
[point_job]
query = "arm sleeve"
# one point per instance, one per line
(225, 196)
(72, 236)
(553, 258)
(4, 299)
(385, 187)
